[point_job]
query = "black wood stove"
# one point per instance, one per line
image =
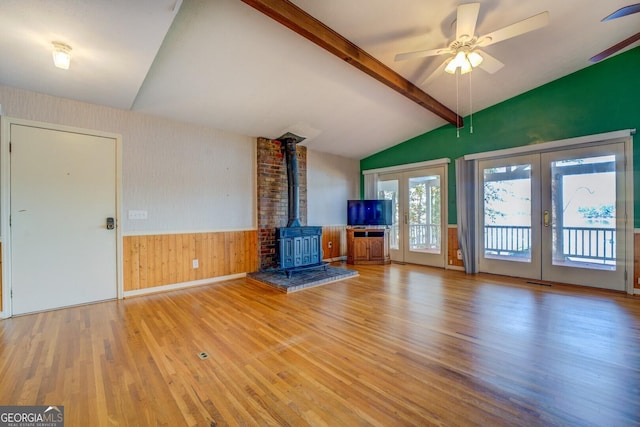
(298, 247)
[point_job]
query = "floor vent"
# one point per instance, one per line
(203, 355)
(539, 284)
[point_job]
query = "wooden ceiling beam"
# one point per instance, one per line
(309, 27)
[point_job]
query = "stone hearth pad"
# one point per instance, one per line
(303, 279)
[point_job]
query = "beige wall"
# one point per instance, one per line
(187, 177)
(331, 181)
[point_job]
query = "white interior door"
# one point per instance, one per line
(419, 215)
(63, 189)
(556, 216)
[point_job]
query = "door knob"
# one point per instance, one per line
(546, 218)
(111, 223)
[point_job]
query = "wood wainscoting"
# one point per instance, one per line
(452, 248)
(166, 259)
(337, 236)
(636, 260)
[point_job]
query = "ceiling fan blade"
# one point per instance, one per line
(489, 63)
(420, 54)
(466, 20)
(627, 10)
(613, 49)
(513, 30)
(436, 72)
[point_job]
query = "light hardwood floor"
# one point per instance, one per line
(399, 345)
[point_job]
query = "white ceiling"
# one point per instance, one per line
(222, 64)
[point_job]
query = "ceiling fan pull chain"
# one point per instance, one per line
(470, 105)
(457, 109)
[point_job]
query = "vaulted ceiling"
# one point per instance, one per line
(223, 64)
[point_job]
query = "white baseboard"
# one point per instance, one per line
(183, 285)
(454, 267)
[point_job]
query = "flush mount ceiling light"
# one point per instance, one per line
(61, 55)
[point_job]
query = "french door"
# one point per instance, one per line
(556, 216)
(419, 201)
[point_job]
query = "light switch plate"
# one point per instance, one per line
(139, 214)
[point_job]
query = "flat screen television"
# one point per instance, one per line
(369, 212)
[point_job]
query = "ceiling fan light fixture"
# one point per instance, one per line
(61, 55)
(466, 61)
(451, 67)
(474, 58)
(466, 67)
(460, 59)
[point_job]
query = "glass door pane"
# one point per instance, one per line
(388, 189)
(583, 200)
(425, 233)
(507, 212)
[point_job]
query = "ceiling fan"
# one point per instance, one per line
(627, 10)
(464, 50)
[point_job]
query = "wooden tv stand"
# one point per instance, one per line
(368, 246)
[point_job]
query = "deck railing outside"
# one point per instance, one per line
(424, 236)
(589, 243)
(421, 236)
(584, 243)
(507, 239)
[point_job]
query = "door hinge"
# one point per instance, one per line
(625, 275)
(9, 148)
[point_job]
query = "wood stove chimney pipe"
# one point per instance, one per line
(289, 141)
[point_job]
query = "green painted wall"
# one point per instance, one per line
(604, 97)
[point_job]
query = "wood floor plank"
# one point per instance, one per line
(397, 345)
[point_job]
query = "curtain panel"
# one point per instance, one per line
(466, 215)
